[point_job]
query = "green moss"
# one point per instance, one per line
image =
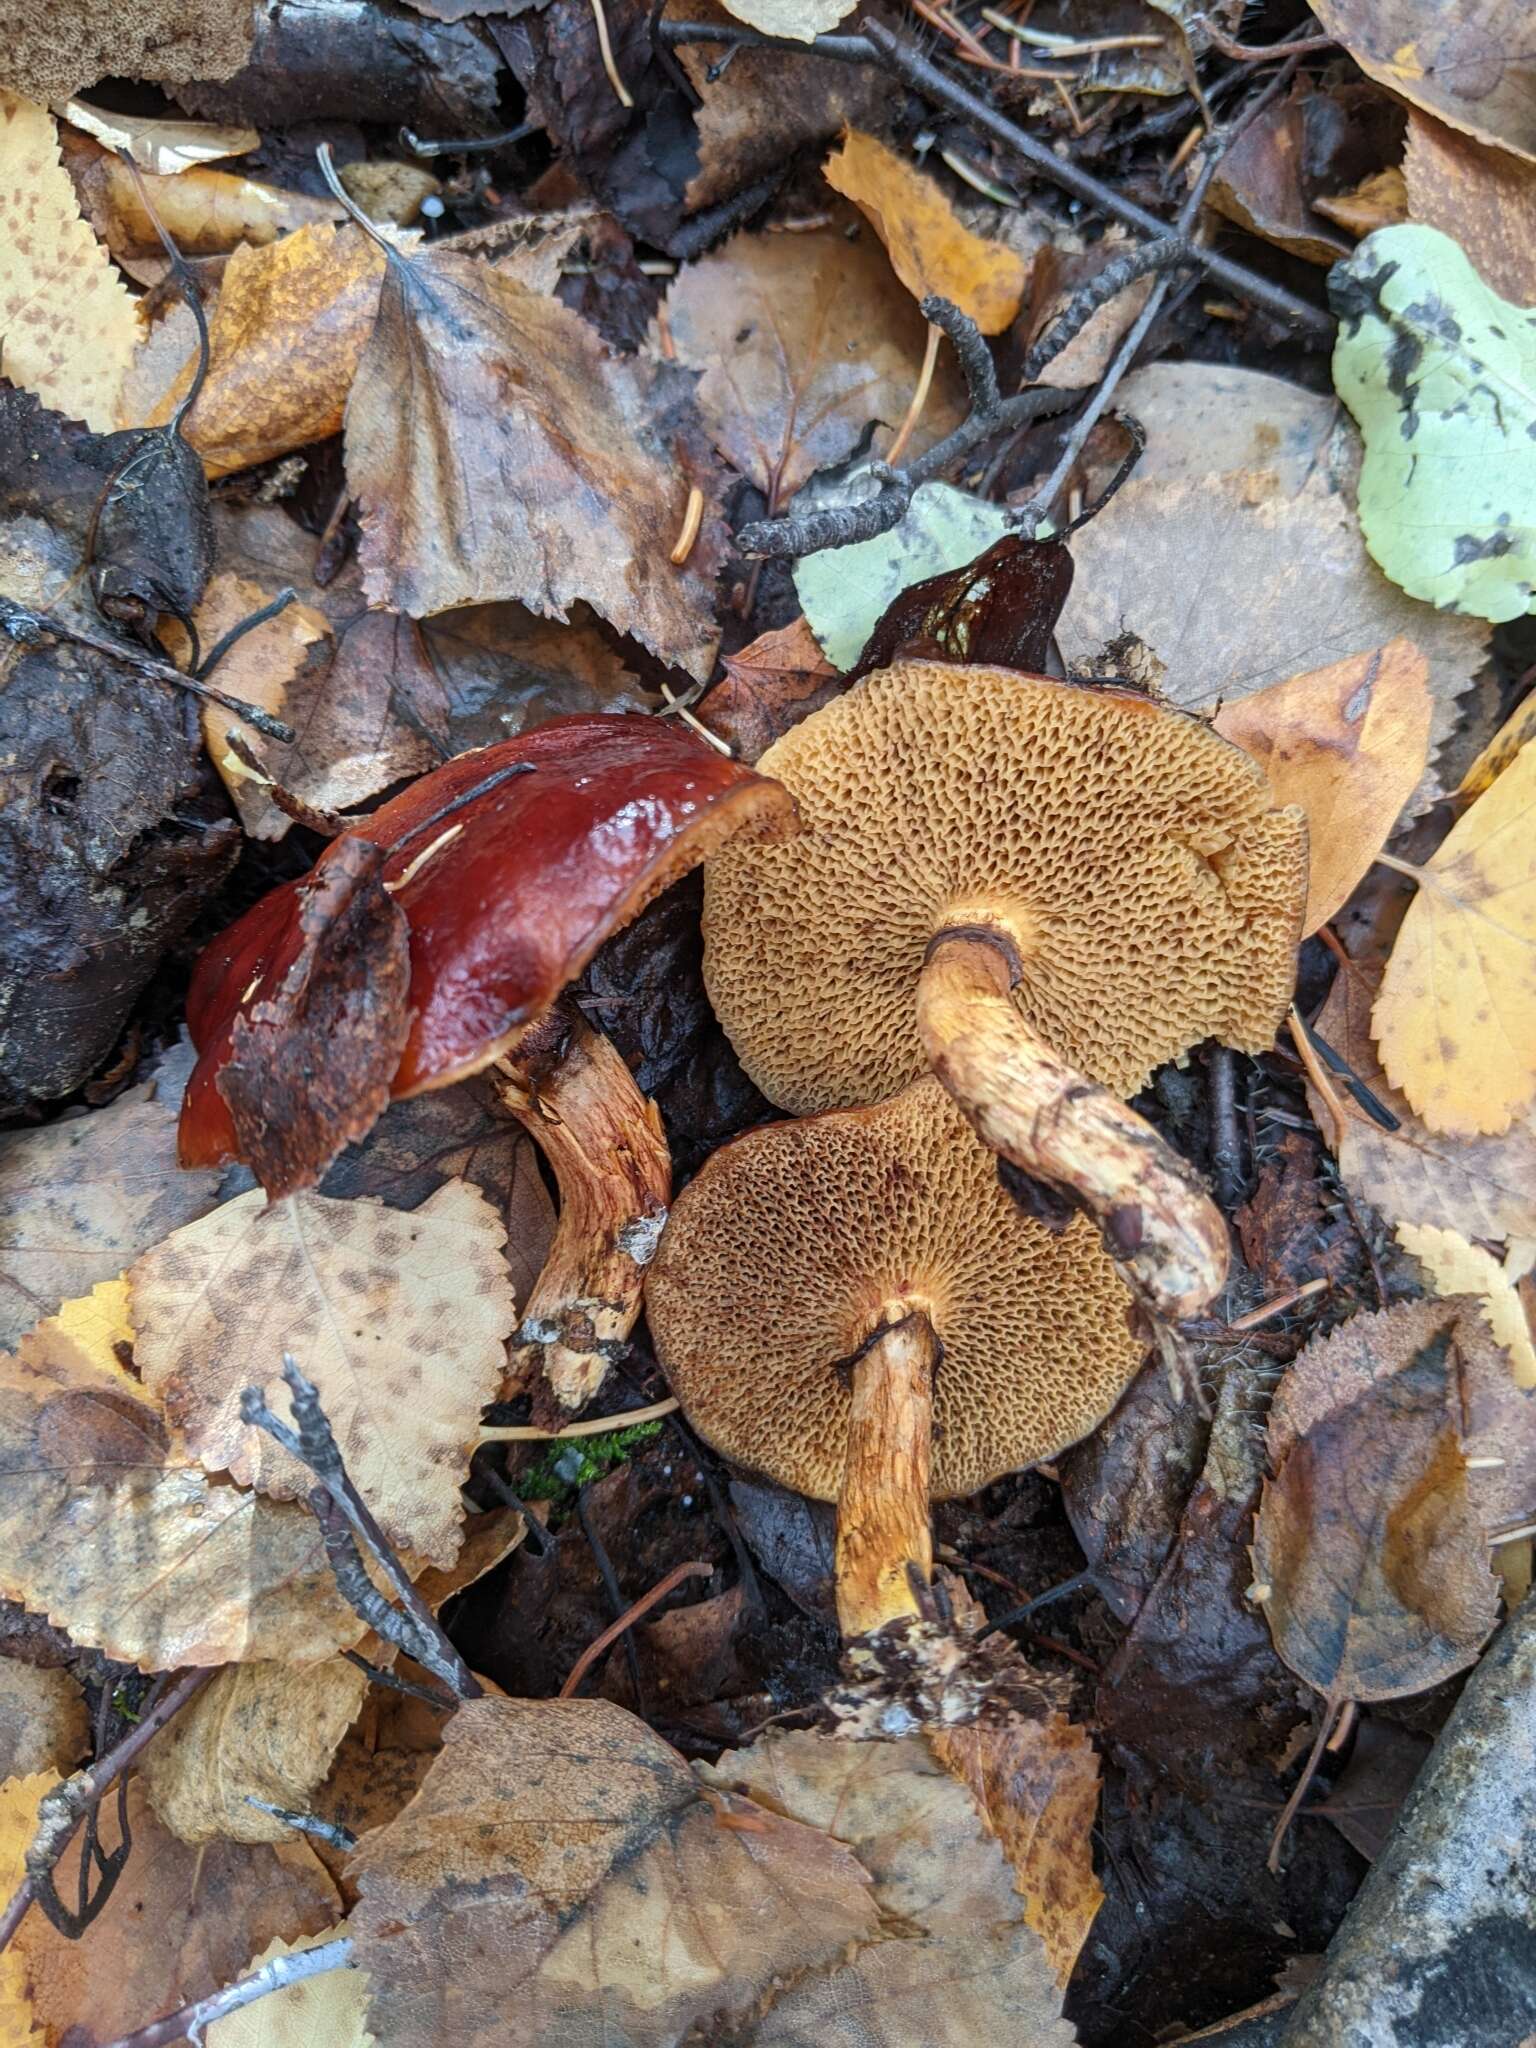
(567, 1467)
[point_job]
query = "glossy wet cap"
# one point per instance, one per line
(779, 1257)
(1154, 891)
(512, 866)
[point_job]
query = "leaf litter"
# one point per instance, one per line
(554, 1710)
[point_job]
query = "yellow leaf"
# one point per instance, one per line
(328, 2011)
(1349, 744)
(930, 249)
(258, 668)
(18, 1824)
(161, 147)
(1456, 1017)
(205, 212)
(67, 322)
(1506, 743)
(1457, 1267)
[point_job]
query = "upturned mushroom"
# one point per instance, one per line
(1038, 889)
(512, 866)
(851, 1304)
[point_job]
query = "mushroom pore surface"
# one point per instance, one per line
(1152, 893)
(783, 1255)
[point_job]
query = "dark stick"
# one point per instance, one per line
(616, 1600)
(1226, 1146)
(330, 1831)
(285, 597)
(443, 1701)
(734, 36)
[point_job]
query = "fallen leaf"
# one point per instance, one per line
(800, 20)
(1379, 201)
(111, 1531)
(262, 1730)
(328, 2011)
(1367, 1539)
(1210, 419)
(1261, 182)
(1506, 743)
(1061, 276)
(931, 250)
(69, 323)
(1455, 1021)
(1481, 196)
(80, 1198)
(18, 1824)
(370, 1782)
(206, 213)
(512, 400)
(398, 1320)
(1286, 1228)
(1457, 1267)
(1438, 372)
(560, 1861)
(803, 341)
(768, 687)
(1349, 744)
(1365, 1799)
(1469, 64)
(54, 55)
(181, 1922)
(284, 342)
(260, 668)
(162, 147)
(43, 1722)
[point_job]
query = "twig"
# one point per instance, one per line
(696, 1568)
(735, 36)
(61, 1810)
(330, 1831)
(343, 1514)
(27, 626)
(285, 597)
(617, 1604)
(1260, 53)
(1166, 253)
(592, 1425)
(1226, 1147)
(187, 2023)
(605, 47)
(397, 1682)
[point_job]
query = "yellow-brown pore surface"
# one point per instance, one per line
(780, 1257)
(1155, 895)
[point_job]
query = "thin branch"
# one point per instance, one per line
(188, 2021)
(343, 1515)
(734, 36)
(696, 1568)
(330, 1831)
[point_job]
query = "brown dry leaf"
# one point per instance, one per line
(260, 669)
(43, 1721)
(370, 1781)
(1349, 744)
(1379, 201)
(1037, 1786)
(206, 213)
(803, 340)
(69, 325)
(959, 1964)
(398, 1320)
(182, 1922)
(82, 1197)
(265, 1730)
(1506, 743)
(284, 343)
(109, 1529)
(1471, 63)
(769, 686)
(930, 248)
(473, 391)
(1260, 183)
(1457, 1267)
(1284, 585)
(159, 146)
(1481, 196)
(18, 1823)
(1060, 275)
(328, 2011)
(560, 1862)
(1368, 1539)
(1455, 1021)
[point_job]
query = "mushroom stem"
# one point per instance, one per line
(605, 1143)
(884, 1533)
(1029, 1105)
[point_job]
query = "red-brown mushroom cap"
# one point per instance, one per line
(512, 866)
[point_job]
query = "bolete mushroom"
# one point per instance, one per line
(1039, 889)
(512, 866)
(852, 1304)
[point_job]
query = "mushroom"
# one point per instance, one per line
(852, 1304)
(512, 866)
(1038, 889)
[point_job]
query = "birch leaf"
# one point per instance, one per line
(1459, 1267)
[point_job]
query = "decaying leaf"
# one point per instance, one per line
(284, 342)
(1457, 1267)
(108, 1528)
(1349, 744)
(1506, 743)
(513, 401)
(205, 212)
(328, 2011)
(259, 668)
(82, 1197)
(181, 1922)
(803, 340)
(1455, 1021)
(259, 1730)
(768, 687)
(161, 146)
(1482, 197)
(43, 1722)
(69, 323)
(1368, 1544)
(1470, 64)
(1261, 183)
(398, 1320)
(560, 1861)
(1440, 374)
(18, 1824)
(931, 250)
